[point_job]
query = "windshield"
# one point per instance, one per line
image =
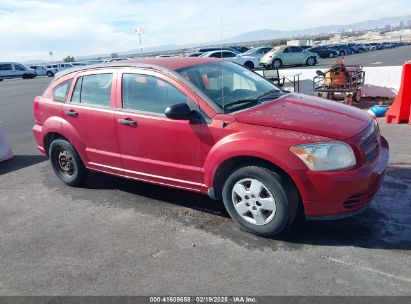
(231, 86)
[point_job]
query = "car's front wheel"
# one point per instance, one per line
(259, 200)
(66, 163)
(331, 55)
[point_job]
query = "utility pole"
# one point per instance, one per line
(51, 55)
(139, 30)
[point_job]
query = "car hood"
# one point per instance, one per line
(308, 114)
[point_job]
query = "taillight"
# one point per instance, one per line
(36, 108)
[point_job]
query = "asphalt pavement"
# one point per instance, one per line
(114, 236)
(388, 57)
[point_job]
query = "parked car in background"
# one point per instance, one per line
(57, 67)
(288, 55)
(324, 52)
(217, 48)
(42, 70)
(193, 54)
(215, 128)
(9, 70)
(78, 64)
(342, 50)
(257, 52)
(247, 61)
(240, 48)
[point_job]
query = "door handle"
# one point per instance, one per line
(71, 113)
(127, 121)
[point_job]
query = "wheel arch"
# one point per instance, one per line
(228, 166)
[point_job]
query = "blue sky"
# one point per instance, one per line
(30, 28)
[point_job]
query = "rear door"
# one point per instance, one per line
(153, 147)
(6, 70)
(90, 120)
(287, 56)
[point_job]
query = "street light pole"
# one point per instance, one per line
(139, 31)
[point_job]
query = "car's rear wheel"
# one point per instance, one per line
(259, 200)
(50, 74)
(66, 163)
(310, 61)
(249, 65)
(331, 55)
(342, 53)
(277, 63)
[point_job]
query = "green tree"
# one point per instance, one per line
(69, 59)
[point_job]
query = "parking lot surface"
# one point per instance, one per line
(388, 57)
(119, 237)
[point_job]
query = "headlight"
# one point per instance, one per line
(325, 156)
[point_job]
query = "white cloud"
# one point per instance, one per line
(29, 29)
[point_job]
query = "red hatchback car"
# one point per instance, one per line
(213, 127)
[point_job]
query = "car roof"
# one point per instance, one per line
(160, 63)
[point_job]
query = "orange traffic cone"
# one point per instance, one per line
(400, 111)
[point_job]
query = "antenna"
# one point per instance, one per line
(222, 74)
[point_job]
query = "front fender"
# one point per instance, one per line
(253, 144)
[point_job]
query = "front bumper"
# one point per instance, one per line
(330, 195)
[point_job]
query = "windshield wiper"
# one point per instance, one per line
(268, 93)
(255, 100)
(242, 101)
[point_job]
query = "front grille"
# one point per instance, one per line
(370, 143)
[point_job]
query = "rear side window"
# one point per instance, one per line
(149, 94)
(93, 89)
(5, 67)
(60, 92)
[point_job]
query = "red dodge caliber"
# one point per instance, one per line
(213, 127)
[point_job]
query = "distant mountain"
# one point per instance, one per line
(268, 34)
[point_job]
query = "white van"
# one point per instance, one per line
(10, 70)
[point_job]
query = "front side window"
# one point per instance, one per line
(149, 94)
(228, 55)
(231, 86)
(93, 89)
(60, 92)
(19, 67)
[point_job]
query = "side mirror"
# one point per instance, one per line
(180, 111)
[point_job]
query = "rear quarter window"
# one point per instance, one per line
(60, 92)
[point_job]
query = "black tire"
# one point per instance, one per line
(285, 197)
(249, 65)
(25, 76)
(277, 63)
(331, 55)
(342, 53)
(310, 61)
(50, 74)
(76, 173)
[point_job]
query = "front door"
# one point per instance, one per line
(153, 147)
